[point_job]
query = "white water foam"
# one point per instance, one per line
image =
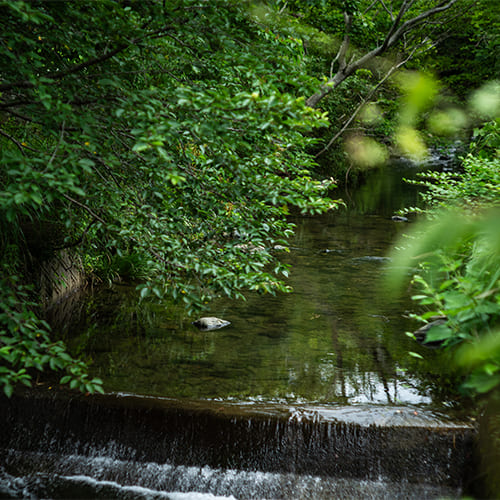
(143, 492)
(103, 477)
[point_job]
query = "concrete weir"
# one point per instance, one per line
(247, 450)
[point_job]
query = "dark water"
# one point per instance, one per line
(335, 339)
(311, 395)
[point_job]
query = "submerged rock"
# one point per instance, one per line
(372, 258)
(421, 333)
(210, 323)
(335, 250)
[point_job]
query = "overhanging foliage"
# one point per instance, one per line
(171, 135)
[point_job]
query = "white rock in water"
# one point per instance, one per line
(210, 323)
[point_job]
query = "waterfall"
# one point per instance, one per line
(137, 447)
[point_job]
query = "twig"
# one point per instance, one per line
(364, 101)
(387, 10)
(15, 141)
(61, 135)
(87, 209)
(80, 239)
(91, 62)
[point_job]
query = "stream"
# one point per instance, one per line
(308, 395)
(335, 339)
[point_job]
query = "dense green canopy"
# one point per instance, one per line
(167, 141)
(164, 141)
(170, 132)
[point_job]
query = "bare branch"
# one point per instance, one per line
(14, 140)
(370, 7)
(396, 32)
(85, 207)
(368, 97)
(412, 23)
(389, 11)
(341, 55)
(61, 135)
(402, 11)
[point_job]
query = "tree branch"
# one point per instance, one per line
(402, 11)
(396, 32)
(411, 23)
(80, 239)
(389, 11)
(364, 101)
(341, 55)
(61, 74)
(14, 140)
(91, 62)
(87, 209)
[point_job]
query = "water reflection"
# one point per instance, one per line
(336, 339)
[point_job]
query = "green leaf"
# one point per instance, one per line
(8, 389)
(482, 382)
(439, 333)
(87, 164)
(140, 146)
(415, 355)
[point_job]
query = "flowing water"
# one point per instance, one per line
(306, 395)
(336, 339)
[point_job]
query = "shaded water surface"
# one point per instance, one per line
(335, 339)
(311, 395)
